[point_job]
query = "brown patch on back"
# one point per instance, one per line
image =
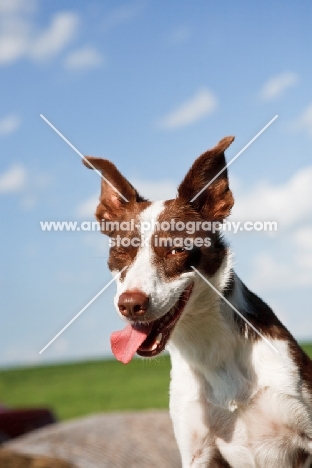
(266, 322)
(262, 317)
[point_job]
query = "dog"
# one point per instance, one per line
(241, 386)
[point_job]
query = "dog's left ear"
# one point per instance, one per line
(206, 186)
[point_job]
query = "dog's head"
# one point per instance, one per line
(155, 245)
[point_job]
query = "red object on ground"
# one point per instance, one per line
(16, 422)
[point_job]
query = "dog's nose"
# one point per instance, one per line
(133, 303)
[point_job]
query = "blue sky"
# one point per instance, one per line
(149, 85)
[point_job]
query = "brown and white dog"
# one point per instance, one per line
(234, 401)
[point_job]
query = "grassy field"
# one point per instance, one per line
(308, 348)
(76, 389)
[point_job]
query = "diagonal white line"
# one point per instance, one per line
(82, 156)
(235, 157)
(235, 310)
(82, 310)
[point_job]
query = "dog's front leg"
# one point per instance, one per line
(188, 412)
(191, 434)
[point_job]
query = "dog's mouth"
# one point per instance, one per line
(148, 339)
(162, 328)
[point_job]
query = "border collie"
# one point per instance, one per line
(241, 387)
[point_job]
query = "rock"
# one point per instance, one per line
(121, 440)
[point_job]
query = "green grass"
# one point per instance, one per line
(77, 389)
(307, 348)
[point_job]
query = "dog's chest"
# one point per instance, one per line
(204, 430)
(214, 413)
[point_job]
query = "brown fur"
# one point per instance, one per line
(216, 201)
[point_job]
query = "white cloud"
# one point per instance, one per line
(278, 84)
(17, 6)
(203, 103)
(56, 37)
(123, 15)
(27, 184)
(304, 121)
(9, 124)
(293, 271)
(286, 203)
(11, 49)
(14, 37)
(303, 237)
(272, 274)
(156, 190)
(13, 180)
(20, 37)
(287, 263)
(86, 209)
(84, 58)
(302, 240)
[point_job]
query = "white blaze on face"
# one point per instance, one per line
(143, 275)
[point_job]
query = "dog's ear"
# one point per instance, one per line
(117, 194)
(206, 187)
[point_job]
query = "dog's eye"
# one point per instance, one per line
(176, 251)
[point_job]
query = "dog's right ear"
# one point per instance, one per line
(117, 194)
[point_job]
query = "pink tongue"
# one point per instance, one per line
(125, 343)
